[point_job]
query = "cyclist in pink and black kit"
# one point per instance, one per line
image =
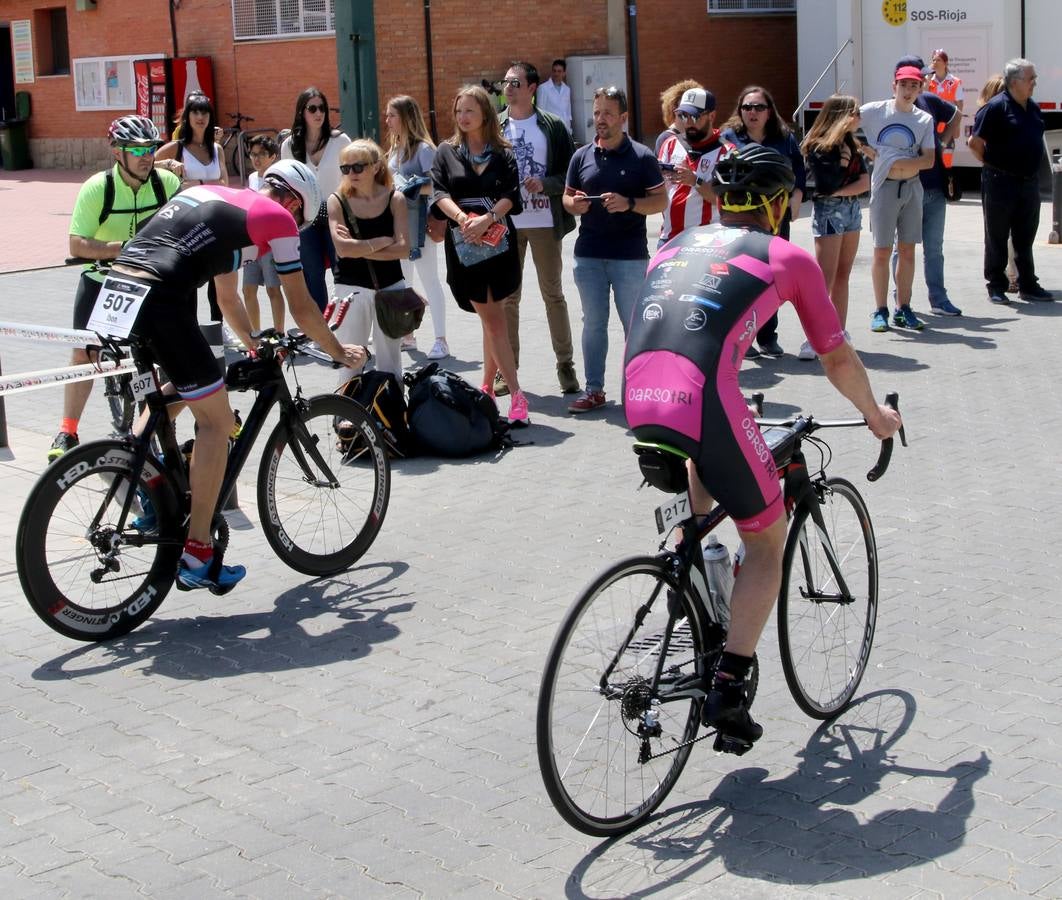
(706, 294)
(207, 232)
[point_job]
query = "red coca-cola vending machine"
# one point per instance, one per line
(162, 85)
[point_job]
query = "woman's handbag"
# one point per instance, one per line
(472, 254)
(399, 311)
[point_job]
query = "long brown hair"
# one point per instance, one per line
(491, 128)
(774, 130)
(416, 131)
(298, 127)
(993, 86)
(831, 125)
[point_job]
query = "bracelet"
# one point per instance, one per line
(494, 215)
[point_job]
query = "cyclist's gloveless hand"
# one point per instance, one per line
(886, 423)
(353, 356)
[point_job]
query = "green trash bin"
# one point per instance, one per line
(14, 144)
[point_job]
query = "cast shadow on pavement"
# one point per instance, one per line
(355, 610)
(791, 829)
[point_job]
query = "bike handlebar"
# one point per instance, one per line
(892, 400)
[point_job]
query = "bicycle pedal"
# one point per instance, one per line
(725, 743)
(221, 590)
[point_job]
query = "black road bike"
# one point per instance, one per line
(103, 529)
(626, 677)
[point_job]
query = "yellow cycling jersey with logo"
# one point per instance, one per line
(129, 210)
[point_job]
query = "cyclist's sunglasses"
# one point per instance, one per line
(356, 168)
(140, 151)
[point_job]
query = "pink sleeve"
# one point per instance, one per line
(798, 279)
(273, 230)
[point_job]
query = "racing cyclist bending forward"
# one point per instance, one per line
(207, 232)
(706, 294)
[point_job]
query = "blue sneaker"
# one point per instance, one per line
(905, 318)
(190, 577)
(880, 322)
(946, 308)
(148, 522)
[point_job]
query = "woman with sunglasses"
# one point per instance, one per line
(840, 177)
(756, 121)
(194, 155)
(367, 219)
(477, 186)
(410, 155)
(315, 143)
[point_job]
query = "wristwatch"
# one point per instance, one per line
(630, 204)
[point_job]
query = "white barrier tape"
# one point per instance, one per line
(31, 381)
(48, 334)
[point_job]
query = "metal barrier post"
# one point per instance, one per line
(1056, 202)
(3, 419)
(216, 338)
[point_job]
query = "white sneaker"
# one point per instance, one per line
(409, 342)
(439, 350)
(806, 353)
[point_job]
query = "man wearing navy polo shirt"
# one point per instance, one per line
(612, 185)
(1008, 138)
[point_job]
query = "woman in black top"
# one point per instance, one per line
(477, 185)
(370, 234)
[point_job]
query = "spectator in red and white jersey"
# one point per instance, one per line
(688, 164)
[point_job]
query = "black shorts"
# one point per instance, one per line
(169, 324)
(88, 289)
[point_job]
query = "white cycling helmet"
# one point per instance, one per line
(133, 131)
(294, 176)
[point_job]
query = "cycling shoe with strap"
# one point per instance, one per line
(213, 576)
(726, 709)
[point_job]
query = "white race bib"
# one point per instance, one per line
(117, 306)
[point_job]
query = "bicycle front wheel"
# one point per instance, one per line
(86, 573)
(120, 402)
(322, 499)
(826, 624)
(612, 739)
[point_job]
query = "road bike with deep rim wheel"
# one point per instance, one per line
(103, 529)
(625, 680)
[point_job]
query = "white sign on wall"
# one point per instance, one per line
(22, 51)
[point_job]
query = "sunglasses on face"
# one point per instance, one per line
(693, 117)
(315, 107)
(755, 107)
(255, 154)
(356, 168)
(139, 151)
(512, 82)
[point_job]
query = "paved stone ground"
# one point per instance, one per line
(372, 735)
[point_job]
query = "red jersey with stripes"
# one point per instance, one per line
(210, 230)
(705, 296)
(685, 207)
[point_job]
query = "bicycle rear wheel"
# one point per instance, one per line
(610, 744)
(82, 574)
(318, 522)
(825, 633)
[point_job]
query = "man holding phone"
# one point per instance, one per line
(611, 251)
(688, 164)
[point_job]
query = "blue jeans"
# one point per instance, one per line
(317, 254)
(934, 207)
(594, 278)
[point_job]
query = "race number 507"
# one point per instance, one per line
(118, 303)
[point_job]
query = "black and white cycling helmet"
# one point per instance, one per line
(297, 177)
(135, 131)
(753, 169)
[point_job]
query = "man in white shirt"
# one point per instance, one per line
(555, 96)
(543, 148)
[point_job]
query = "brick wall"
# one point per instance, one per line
(262, 78)
(677, 39)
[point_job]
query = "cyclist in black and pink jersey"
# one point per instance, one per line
(706, 294)
(203, 233)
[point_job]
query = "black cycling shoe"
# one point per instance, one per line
(62, 444)
(726, 709)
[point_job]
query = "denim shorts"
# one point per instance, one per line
(835, 215)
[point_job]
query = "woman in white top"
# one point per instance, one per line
(192, 156)
(313, 142)
(410, 155)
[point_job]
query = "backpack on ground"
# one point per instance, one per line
(449, 417)
(383, 398)
(108, 197)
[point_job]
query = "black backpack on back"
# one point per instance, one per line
(108, 197)
(383, 398)
(449, 417)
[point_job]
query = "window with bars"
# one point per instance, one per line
(253, 19)
(751, 7)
